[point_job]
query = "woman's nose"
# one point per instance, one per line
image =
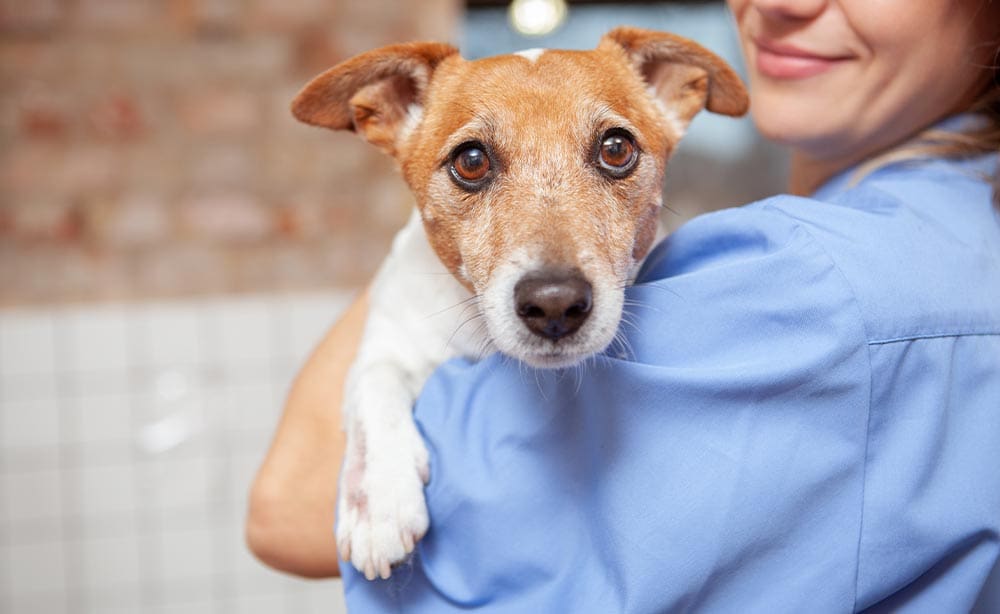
(789, 9)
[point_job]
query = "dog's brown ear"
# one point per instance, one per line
(372, 93)
(683, 74)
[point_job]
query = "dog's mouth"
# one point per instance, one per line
(562, 353)
(553, 360)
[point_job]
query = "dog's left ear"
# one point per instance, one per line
(372, 93)
(683, 74)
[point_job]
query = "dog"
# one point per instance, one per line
(538, 179)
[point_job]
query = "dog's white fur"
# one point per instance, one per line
(409, 331)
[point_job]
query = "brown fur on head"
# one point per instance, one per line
(540, 118)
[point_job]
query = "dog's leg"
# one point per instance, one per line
(381, 511)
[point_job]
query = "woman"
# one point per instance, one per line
(811, 417)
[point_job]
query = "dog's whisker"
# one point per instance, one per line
(473, 318)
(627, 349)
(431, 273)
(633, 315)
(661, 288)
(466, 317)
(621, 347)
(578, 373)
(485, 345)
(642, 305)
(522, 370)
(631, 321)
(485, 349)
(473, 300)
(632, 325)
(465, 304)
(540, 381)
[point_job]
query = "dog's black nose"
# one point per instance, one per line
(553, 305)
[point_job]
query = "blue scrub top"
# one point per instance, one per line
(805, 417)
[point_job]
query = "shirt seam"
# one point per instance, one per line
(941, 335)
(868, 408)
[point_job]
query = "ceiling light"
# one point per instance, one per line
(537, 17)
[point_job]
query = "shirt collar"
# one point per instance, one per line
(843, 180)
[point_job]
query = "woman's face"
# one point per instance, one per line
(842, 79)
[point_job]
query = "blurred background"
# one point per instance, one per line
(173, 243)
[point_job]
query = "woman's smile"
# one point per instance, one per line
(783, 61)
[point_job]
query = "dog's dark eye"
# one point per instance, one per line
(470, 165)
(617, 153)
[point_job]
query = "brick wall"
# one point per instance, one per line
(147, 151)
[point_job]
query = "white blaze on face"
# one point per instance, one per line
(531, 55)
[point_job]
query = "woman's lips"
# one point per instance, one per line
(780, 61)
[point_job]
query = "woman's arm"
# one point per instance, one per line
(293, 498)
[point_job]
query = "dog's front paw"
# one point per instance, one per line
(381, 513)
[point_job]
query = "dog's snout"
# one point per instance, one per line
(553, 305)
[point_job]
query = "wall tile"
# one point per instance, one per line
(27, 343)
(110, 563)
(36, 568)
(105, 490)
(186, 555)
(309, 319)
(31, 494)
(244, 332)
(103, 418)
(30, 424)
(97, 339)
(171, 334)
(48, 602)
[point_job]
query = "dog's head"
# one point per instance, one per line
(538, 175)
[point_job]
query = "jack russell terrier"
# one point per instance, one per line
(538, 180)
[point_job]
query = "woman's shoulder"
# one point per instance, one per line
(916, 248)
(734, 285)
(920, 246)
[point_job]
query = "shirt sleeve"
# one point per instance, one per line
(712, 461)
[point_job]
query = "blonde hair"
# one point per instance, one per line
(981, 138)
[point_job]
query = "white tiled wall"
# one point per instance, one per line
(128, 437)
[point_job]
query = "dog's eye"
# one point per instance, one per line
(617, 153)
(470, 165)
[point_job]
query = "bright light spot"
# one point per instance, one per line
(537, 17)
(169, 432)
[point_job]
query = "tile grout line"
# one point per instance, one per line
(68, 459)
(6, 594)
(223, 590)
(147, 549)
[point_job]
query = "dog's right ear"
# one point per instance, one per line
(372, 93)
(681, 73)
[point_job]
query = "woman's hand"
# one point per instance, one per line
(292, 505)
